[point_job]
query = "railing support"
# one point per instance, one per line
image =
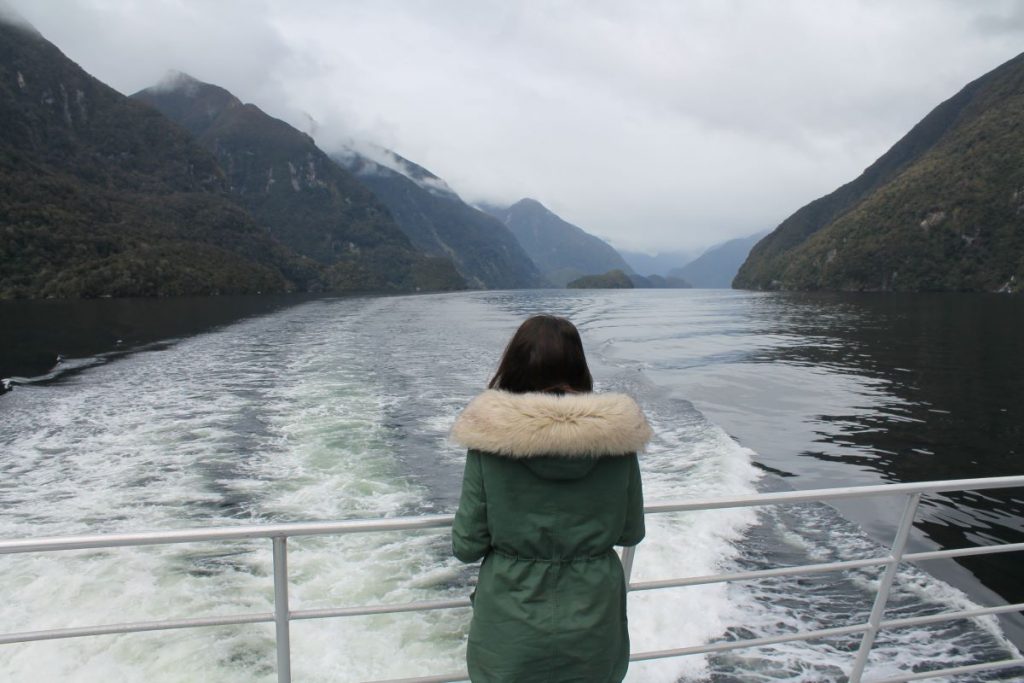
(281, 611)
(899, 544)
(628, 552)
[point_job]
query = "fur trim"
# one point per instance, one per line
(536, 424)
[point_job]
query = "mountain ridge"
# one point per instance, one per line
(438, 222)
(717, 266)
(300, 195)
(660, 263)
(562, 251)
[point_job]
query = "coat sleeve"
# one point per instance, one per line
(633, 532)
(471, 538)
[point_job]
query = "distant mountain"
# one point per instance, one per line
(716, 267)
(562, 251)
(102, 196)
(942, 210)
(438, 222)
(303, 198)
(660, 263)
(613, 279)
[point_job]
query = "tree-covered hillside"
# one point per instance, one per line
(101, 196)
(942, 210)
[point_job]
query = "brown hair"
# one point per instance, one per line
(545, 354)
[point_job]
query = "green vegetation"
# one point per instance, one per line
(613, 279)
(943, 210)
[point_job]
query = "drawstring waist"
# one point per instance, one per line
(553, 560)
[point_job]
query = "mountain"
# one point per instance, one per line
(438, 222)
(102, 196)
(562, 251)
(660, 263)
(942, 210)
(298, 194)
(716, 267)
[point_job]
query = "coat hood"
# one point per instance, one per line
(541, 425)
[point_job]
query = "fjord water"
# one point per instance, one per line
(339, 408)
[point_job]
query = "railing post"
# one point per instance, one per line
(628, 552)
(884, 586)
(281, 610)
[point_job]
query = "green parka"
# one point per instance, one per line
(551, 484)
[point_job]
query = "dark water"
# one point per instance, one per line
(955, 367)
(856, 389)
(849, 389)
(248, 421)
(39, 335)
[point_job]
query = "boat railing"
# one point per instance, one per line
(283, 614)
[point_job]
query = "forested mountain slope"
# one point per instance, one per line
(102, 196)
(942, 210)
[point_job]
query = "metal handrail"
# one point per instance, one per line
(282, 615)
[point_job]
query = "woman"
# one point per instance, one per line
(551, 484)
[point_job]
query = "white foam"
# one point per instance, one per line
(776, 607)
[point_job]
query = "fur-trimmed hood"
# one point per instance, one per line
(540, 424)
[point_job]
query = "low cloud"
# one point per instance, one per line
(659, 125)
(9, 15)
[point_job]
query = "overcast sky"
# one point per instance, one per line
(656, 125)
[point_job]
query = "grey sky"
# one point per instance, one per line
(656, 125)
